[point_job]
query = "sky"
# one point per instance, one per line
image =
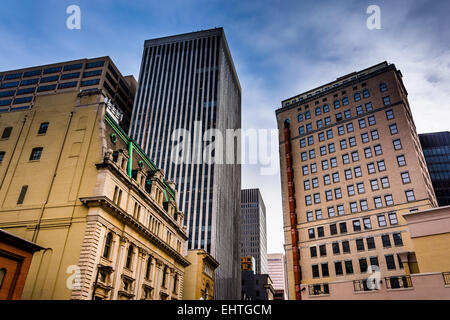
(279, 48)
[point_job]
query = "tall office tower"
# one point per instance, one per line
(276, 263)
(19, 88)
(189, 82)
(351, 166)
(253, 229)
(436, 149)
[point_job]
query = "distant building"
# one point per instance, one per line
(199, 276)
(256, 286)
(15, 259)
(436, 149)
(248, 264)
(278, 273)
(253, 229)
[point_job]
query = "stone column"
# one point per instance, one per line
(121, 253)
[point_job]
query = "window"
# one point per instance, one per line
(368, 152)
(304, 156)
(302, 143)
(393, 128)
(338, 117)
(6, 132)
(321, 136)
(333, 229)
(371, 120)
(370, 243)
(348, 267)
(330, 134)
(348, 174)
(307, 184)
(347, 114)
(359, 110)
(315, 183)
(410, 195)
(2, 155)
(355, 156)
(374, 261)
(325, 164)
(305, 170)
(356, 225)
(343, 144)
(381, 221)
(362, 123)
(357, 96)
(367, 223)
(333, 162)
(337, 104)
(323, 250)
(335, 177)
(377, 201)
(397, 144)
(341, 130)
(381, 165)
(401, 161)
(343, 227)
(340, 209)
(129, 257)
(311, 233)
(363, 204)
(52, 70)
(312, 154)
(397, 239)
(386, 100)
(374, 184)
(335, 246)
(309, 127)
(313, 168)
(360, 186)
(43, 128)
(326, 108)
(360, 245)
(22, 194)
(330, 212)
(393, 218)
(327, 181)
(389, 200)
(366, 93)
(369, 107)
(316, 197)
(300, 117)
(345, 158)
(301, 130)
(390, 262)
(313, 252)
(345, 101)
(36, 154)
(405, 177)
(384, 182)
(108, 245)
(331, 148)
(352, 141)
(309, 216)
(351, 190)
(378, 150)
(363, 265)
(338, 268)
(328, 195)
(386, 241)
(353, 207)
(383, 87)
(358, 172)
(308, 200)
(389, 114)
(365, 137)
(338, 193)
(319, 214)
(310, 140)
(327, 121)
(2, 276)
(374, 134)
(371, 168)
(345, 247)
(319, 123)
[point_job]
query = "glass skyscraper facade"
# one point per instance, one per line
(189, 82)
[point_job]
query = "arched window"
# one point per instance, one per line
(108, 245)
(149, 267)
(175, 283)
(129, 256)
(207, 291)
(2, 275)
(164, 277)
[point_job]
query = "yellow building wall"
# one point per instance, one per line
(433, 253)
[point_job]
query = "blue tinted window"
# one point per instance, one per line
(73, 67)
(22, 100)
(366, 93)
(95, 64)
(92, 73)
(10, 84)
(70, 75)
(52, 70)
(29, 81)
(326, 108)
(5, 102)
(7, 93)
(33, 73)
(357, 96)
(90, 82)
(345, 101)
(13, 76)
(47, 88)
(300, 117)
(337, 104)
(49, 79)
(26, 90)
(67, 85)
(20, 108)
(307, 115)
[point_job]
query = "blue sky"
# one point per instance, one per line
(280, 48)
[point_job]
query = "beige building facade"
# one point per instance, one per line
(351, 167)
(75, 184)
(199, 276)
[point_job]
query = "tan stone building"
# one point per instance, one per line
(351, 167)
(74, 183)
(199, 276)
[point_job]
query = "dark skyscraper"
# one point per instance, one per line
(189, 82)
(253, 230)
(436, 149)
